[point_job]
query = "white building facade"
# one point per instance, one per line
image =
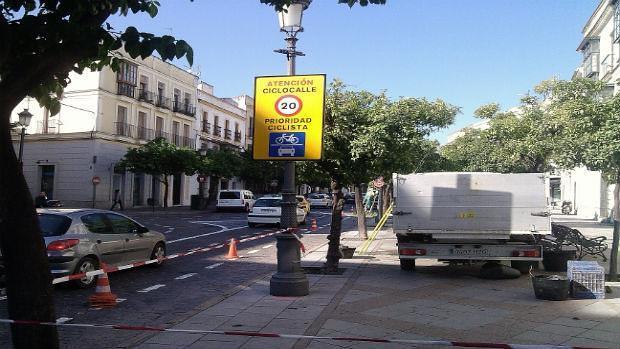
(102, 115)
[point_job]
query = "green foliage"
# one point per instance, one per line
(160, 158)
(584, 124)
(512, 142)
(368, 135)
(223, 163)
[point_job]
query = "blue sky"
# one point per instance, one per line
(467, 52)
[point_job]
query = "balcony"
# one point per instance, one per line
(162, 102)
(161, 134)
(124, 129)
(126, 89)
(145, 95)
(184, 108)
(238, 136)
(607, 65)
(591, 65)
(206, 127)
(217, 131)
(188, 142)
(145, 133)
(227, 134)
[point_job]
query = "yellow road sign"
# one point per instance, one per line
(288, 117)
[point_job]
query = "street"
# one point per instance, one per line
(167, 295)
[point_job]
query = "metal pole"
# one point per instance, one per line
(21, 148)
(94, 194)
(289, 280)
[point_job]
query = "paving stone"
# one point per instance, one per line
(175, 339)
(607, 336)
(535, 337)
(587, 342)
(575, 322)
(271, 343)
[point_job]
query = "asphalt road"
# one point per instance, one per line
(167, 295)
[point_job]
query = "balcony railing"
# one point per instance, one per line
(144, 133)
(162, 102)
(206, 127)
(161, 134)
(124, 129)
(591, 65)
(145, 95)
(607, 65)
(126, 89)
(217, 131)
(227, 134)
(184, 108)
(237, 136)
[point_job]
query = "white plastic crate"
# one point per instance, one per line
(587, 279)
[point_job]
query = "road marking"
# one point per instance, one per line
(223, 230)
(182, 277)
(213, 266)
(267, 246)
(253, 251)
(151, 288)
(62, 320)
(120, 300)
(245, 236)
(213, 244)
(2, 298)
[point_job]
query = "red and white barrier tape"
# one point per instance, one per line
(298, 336)
(139, 264)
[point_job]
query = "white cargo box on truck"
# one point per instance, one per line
(470, 216)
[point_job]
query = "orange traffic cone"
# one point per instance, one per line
(232, 250)
(314, 227)
(103, 297)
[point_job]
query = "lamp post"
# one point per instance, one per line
(24, 121)
(289, 280)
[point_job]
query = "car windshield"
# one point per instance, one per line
(53, 224)
(315, 196)
(268, 203)
(227, 195)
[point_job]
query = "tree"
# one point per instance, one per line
(584, 126)
(258, 175)
(221, 163)
(512, 142)
(367, 135)
(161, 160)
(42, 42)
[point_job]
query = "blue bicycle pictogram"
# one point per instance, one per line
(287, 144)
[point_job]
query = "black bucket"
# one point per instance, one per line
(551, 288)
(347, 252)
(556, 260)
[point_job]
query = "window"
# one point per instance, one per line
(268, 203)
(229, 195)
(186, 131)
(616, 21)
(122, 127)
(97, 224)
(159, 126)
(53, 224)
(121, 114)
(121, 225)
(128, 73)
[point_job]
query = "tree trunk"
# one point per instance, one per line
(387, 198)
(361, 213)
(28, 277)
(613, 259)
(333, 250)
(165, 181)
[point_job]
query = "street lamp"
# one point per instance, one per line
(24, 121)
(289, 280)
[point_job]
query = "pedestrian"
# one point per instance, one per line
(41, 200)
(117, 200)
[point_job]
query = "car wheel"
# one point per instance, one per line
(85, 265)
(159, 253)
(251, 225)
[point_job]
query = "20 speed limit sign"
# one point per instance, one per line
(288, 105)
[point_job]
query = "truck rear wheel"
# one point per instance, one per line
(407, 264)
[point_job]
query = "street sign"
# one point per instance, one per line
(378, 182)
(201, 178)
(96, 180)
(288, 117)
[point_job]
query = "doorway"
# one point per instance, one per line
(176, 189)
(138, 189)
(47, 180)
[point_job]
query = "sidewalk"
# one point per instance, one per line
(374, 298)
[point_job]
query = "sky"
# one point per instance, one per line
(466, 52)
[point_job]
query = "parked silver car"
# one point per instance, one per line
(78, 240)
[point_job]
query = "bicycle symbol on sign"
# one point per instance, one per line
(287, 139)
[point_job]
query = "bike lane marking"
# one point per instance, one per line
(151, 288)
(185, 276)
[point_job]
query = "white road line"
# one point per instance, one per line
(2, 298)
(244, 236)
(62, 320)
(253, 251)
(120, 300)
(151, 288)
(185, 276)
(213, 266)
(267, 246)
(224, 229)
(213, 244)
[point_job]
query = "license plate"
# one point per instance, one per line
(470, 252)
(268, 210)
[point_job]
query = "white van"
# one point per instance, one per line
(235, 199)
